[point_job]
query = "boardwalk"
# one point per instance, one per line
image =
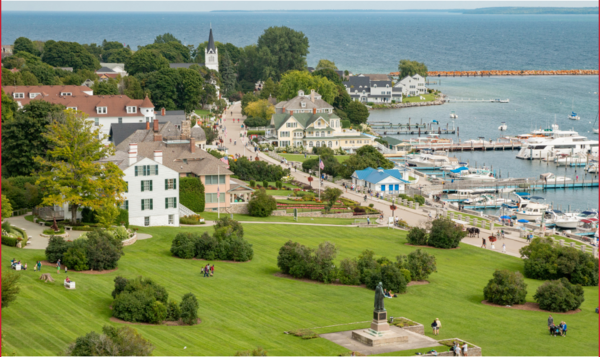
(481, 146)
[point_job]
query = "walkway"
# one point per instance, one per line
(34, 230)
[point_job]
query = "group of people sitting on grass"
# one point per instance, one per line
(557, 330)
(389, 294)
(14, 263)
(208, 270)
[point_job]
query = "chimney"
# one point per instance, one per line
(157, 137)
(291, 112)
(186, 129)
(314, 110)
(155, 125)
(312, 95)
(162, 111)
(147, 125)
(158, 156)
(192, 145)
(132, 154)
(283, 110)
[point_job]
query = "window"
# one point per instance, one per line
(284, 134)
(74, 108)
(291, 125)
(101, 110)
(125, 205)
(298, 134)
(147, 204)
(310, 144)
(33, 95)
(170, 184)
(147, 185)
(211, 59)
(212, 198)
(120, 120)
(170, 202)
(146, 221)
(303, 105)
(171, 219)
(97, 121)
(214, 179)
(318, 133)
(330, 144)
(19, 95)
(131, 110)
(146, 170)
(66, 94)
(284, 143)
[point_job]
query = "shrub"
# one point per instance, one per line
(120, 233)
(358, 209)
(407, 275)
(261, 204)
(390, 276)
(157, 313)
(322, 263)
(265, 184)
(445, 234)
(10, 288)
(252, 183)
(421, 264)
(76, 258)
(173, 311)
(103, 250)
(559, 296)
(139, 300)
(308, 196)
(189, 309)
(232, 226)
(115, 341)
(420, 199)
(7, 227)
(120, 284)
(9, 241)
(50, 231)
(348, 272)
(417, 236)
(366, 262)
(506, 288)
(57, 246)
(544, 260)
(122, 218)
(191, 193)
(256, 170)
(371, 205)
(184, 245)
(259, 351)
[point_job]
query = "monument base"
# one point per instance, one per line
(379, 334)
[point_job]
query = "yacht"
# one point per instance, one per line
(564, 160)
(574, 116)
(503, 126)
(477, 174)
(453, 115)
(551, 178)
(592, 169)
(532, 212)
(427, 160)
(560, 219)
(553, 132)
(570, 145)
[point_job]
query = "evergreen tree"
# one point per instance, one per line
(227, 73)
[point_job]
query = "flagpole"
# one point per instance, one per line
(218, 193)
(319, 177)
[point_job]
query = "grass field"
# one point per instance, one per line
(416, 98)
(301, 158)
(245, 306)
(211, 216)
(202, 112)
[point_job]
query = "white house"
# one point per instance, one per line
(412, 86)
(367, 90)
(380, 180)
(118, 68)
(152, 195)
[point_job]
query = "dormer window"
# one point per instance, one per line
(374, 85)
(387, 85)
(303, 105)
(101, 110)
(63, 94)
(74, 108)
(19, 95)
(131, 110)
(33, 95)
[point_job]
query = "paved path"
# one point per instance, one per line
(34, 230)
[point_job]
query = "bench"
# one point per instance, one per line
(68, 228)
(17, 267)
(69, 285)
(41, 223)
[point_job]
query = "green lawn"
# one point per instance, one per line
(416, 98)
(300, 157)
(317, 220)
(245, 306)
(202, 112)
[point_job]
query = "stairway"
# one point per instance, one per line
(184, 211)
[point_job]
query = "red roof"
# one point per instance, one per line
(147, 103)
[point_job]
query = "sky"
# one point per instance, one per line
(201, 6)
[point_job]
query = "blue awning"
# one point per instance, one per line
(459, 169)
(521, 193)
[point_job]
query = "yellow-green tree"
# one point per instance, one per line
(6, 208)
(71, 172)
(293, 81)
(324, 63)
(261, 109)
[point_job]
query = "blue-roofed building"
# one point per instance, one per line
(380, 180)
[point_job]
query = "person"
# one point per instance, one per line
(430, 216)
(564, 328)
(24, 267)
(439, 325)
(368, 221)
(456, 348)
(550, 322)
(502, 233)
(207, 271)
(365, 198)
(65, 269)
(528, 238)
(58, 267)
(39, 265)
(503, 248)
(212, 270)
(68, 280)
(396, 220)
(434, 327)
(483, 244)
(464, 349)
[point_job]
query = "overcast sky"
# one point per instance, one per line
(187, 6)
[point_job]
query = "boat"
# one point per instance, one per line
(503, 126)
(477, 175)
(500, 100)
(573, 115)
(453, 115)
(592, 169)
(569, 145)
(427, 160)
(560, 220)
(484, 201)
(577, 160)
(532, 212)
(551, 178)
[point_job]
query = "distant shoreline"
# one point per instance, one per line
(480, 11)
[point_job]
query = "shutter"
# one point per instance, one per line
(136, 170)
(156, 169)
(166, 184)
(142, 183)
(150, 185)
(175, 183)
(143, 206)
(127, 205)
(166, 202)
(174, 202)
(151, 204)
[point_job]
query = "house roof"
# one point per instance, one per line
(183, 65)
(174, 116)
(296, 103)
(105, 70)
(121, 131)
(305, 119)
(377, 175)
(46, 91)
(381, 83)
(358, 83)
(377, 77)
(112, 65)
(211, 42)
(146, 103)
(391, 141)
(138, 134)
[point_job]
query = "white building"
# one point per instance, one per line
(211, 54)
(152, 195)
(381, 180)
(412, 86)
(367, 90)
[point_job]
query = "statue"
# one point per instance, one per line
(379, 296)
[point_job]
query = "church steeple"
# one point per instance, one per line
(211, 42)
(211, 53)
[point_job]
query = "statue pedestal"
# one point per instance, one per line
(379, 334)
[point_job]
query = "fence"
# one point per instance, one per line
(20, 212)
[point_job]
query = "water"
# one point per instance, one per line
(372, 42)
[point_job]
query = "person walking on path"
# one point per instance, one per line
(39, 263)
(439, 325)
(434, 327)
(550, 321)
(503, 248)
(483, 245)
(368, 221)
(58, 267)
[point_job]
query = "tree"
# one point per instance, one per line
(94, 50)
(261, 204)
(24, 44)
(13, 62)
(10, 287)
(69, 54)
(23, 140)
(559, 295)
(9, 108)
(357, 112)
(342, 101)
(260, 109)
(145, 61)
(281, 49)
(247, 99)
(6, 208)
(119, 55)
(189, 309)
(270, 89)
(417, 236)
(173, 51)
(115, 341)
(227, 73)
(189, 89)
(109, 87)
(103, 250)
(326, 64)
(132, 88)
(410, 68)
(166, 38)
(107, 215)
(111, 45)
(506, 288)
(191, 193)
(445, 234)
(293, 81)
(366, 156)
(44, 73)
(71, 172)
(172, 89)
(329, 74)
(331, 195)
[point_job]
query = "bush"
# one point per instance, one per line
(120, 233)
(371, 205)
(173, 311)
(559, 296)
(252, 183)
(76, 258)
(254, 122)
(256, 170)
(417, 236)
(115, 341)
(358, 209)
(366, 262)
(189, 309)
(346, 124)
(191, 193)
(420, 199)
(10, 288)
(421, 264)
(302, 262)
(308, 196)
(157, 313)
(261, 204)
(11, 242)
(389, 275)
(57, 246)
(50, 231)
(279, 184)
(406, 274)
(506, 288)
(322, 263)
(445, 234)
(103, 250)
(122, 218)
(348, 273)
(89, 215)
(544, 260)
(139, 300)
(184, 245)
(265, 184)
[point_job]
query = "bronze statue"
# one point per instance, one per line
(379, 296)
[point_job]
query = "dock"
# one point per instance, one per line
(518, 183)
(485, 146)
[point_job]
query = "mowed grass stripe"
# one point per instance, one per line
(245, 305)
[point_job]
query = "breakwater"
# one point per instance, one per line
(565, 72)
(439, 101)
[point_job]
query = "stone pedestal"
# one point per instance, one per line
(379, 334)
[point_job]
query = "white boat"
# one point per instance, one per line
(551, 178)
(573, 115)
(532, 212)
(569, 145)
(477, 175)
(503, 126)
(592, 169)
(426, 160)
(453, 115)
(500, 100)
(577, 160)
(560, 219)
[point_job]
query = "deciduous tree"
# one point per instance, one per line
(410, 68)
(326, 64)
(25, 44)
(260, 109)
(293, 81)
(69, 54)
(281, 49)
(357, 112)
(166, 38)
(145, 61)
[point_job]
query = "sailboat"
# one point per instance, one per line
(453, 115)
(573, 115)
(503, 126)
(595, 125)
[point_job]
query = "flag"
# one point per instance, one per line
(321, 165)
(226, 161)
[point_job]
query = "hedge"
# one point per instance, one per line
(11, 242)
(191, 193)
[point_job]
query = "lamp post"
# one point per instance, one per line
(393, 208)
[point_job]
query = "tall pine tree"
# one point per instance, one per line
(227, 73)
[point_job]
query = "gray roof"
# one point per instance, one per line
(105, 70)
(119, 132)
(211, 42)
(311, 69)
(173, 116)
(381, 83)
(397, 89)
(183, 65)
(377, 77)
(358, 83)
(296, 104)
(379, 95)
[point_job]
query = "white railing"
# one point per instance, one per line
(184, 211)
